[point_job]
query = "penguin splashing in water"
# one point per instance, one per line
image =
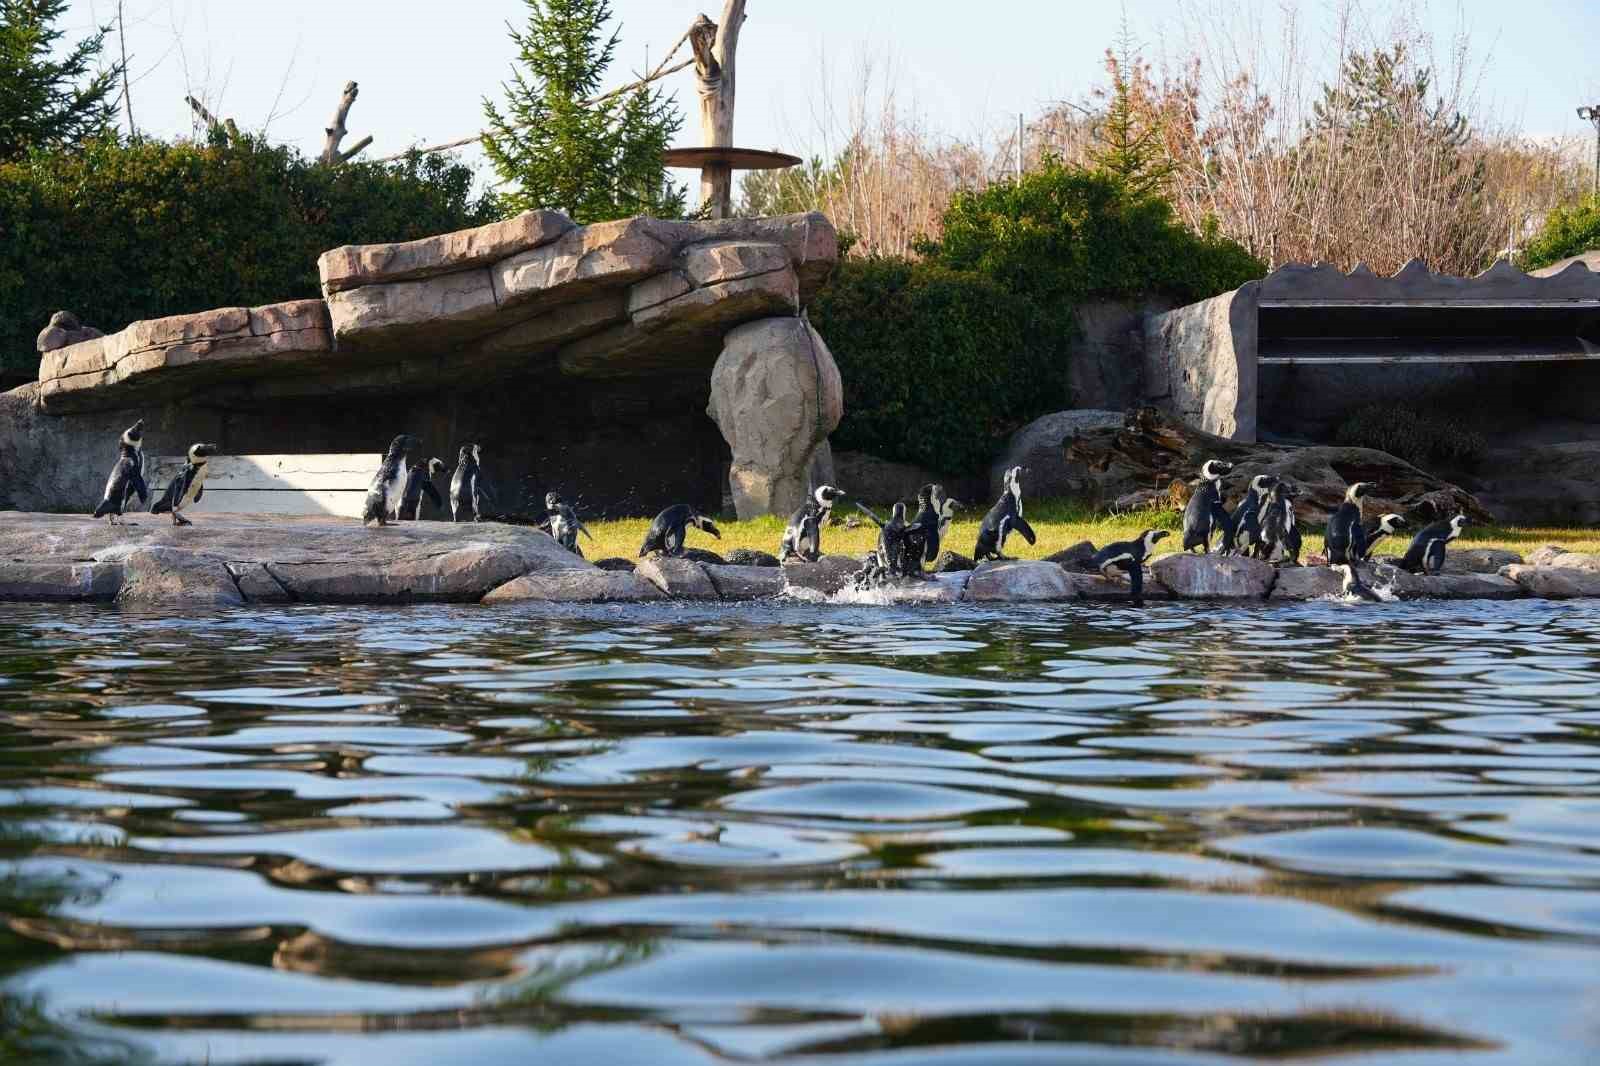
(127, 476)
(188, 486)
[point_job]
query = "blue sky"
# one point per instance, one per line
(424, 67)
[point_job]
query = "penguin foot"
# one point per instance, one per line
(179, 520)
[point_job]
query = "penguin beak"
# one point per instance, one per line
(207, 450)
(707, 525)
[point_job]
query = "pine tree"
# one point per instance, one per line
(47, 102)
(553, 148)
(1131, 145)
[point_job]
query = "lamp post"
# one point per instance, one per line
(1592, 114)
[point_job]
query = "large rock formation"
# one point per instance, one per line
(579, 356)
(776, 394)
(1036, 447)
(1152, 450)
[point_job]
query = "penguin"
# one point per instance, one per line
(188, 486)
(891, 550)
(802, 537)
(1244, 524)
(1386, 525)
(469, 489)
(1279, 530)
(947, 509)
(1205, 513)
(922, 534)
(564, 524)
(1345, 540)
(1354, 586)
(1129, 556)
(1004, 518)
(667, 531)
(419, 483)
(387, 490)
(1426, 553)
(127, 476)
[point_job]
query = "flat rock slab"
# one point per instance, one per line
(747, 582)
(1468, 587)
(257, 584)
(681, 579)
(1321, 582)
(829, 575)
(576, 586)
(172, 577)
(1553, 583)
(1037, 581)
(948, 587)
(1214, 577)
(44, 582)
(463, 575)
(1478, 560)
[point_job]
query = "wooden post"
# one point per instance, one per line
(714, 47)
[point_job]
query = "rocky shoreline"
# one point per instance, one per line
(230, 560)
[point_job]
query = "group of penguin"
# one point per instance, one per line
(1263, 526)
(127, 480)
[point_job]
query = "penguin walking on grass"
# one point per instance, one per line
(1345, 540)
(1386, 526)
(1205, 514)
(563, 523)
(469, 490)
(1003, 519)
(127, 476)
(388, 487)
(188, 486)
(419, 483)
(1243, 532)
(667, 532)
(1426, 553)
(1129, 556)
(891, 539)
(1354, 586)
(802, 537)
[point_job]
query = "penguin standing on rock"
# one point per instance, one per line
(802, 537)
(1386, 526)
(891, 539)
(388, 486)
(1004, 518)
(564, 524)
(947, 509)
(1426, 553)
(922, 534)
(1129, 556)
(1243, 531)
(1354, 586)
(1345, 541)
(188, 486)
(127, 476)
(469, 490)
(667, 531)
(1279, 530)
(1205, 513)
(419, 483)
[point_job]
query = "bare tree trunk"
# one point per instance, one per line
(335, 132)
(127, 97)
(714, 48)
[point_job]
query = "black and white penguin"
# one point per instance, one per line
(1205, 514)
(1129, 556)
(419, 483)
(388, 486)
(469, 489)
(802, 537)
(922, 534)
(947, 509)
(188, 486)
(1243, 532)
(1280, 532)
(667, 531)
(891, 550)
(1386, 526)
(563, 523)
(127, 476)
(1426, 553)
(1003, 519)
(1345, 540)
(1354, 586)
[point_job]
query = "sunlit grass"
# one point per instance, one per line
(1059, 524)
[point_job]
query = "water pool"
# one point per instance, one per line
(697, 834)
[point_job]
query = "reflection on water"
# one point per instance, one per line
(834, 835)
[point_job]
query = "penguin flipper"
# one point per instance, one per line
(864, 509)
(199, 492)
(1020, 525)
(585, 531)
(433, 494)
(138, 485)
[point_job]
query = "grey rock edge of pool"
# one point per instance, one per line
(229, 560)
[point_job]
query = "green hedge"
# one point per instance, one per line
(1415, 432)
(937, 364)
(1567, 231)
(118, 232)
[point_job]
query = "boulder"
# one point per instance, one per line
(1152, 449)
(171, 577)
(1470, 586)
(257, 585)
(776, 395)
(1078, 557)
(1213, 577)
(62, 330)
(1478, 560)
(950, 562)
(58, 580)
(681, 579)
(351, 266)
(704, 557)
(1039, 448)
(1320, 582)
(747, 582)
(1543, 484)
(1542, 556)
(1552, 583)
(462, 575)
(592, 585)
(1033, 581)
(751, 557)
(880, 482)
(828, 575)
(944, 588)
(617, 565)
(1576, 561)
